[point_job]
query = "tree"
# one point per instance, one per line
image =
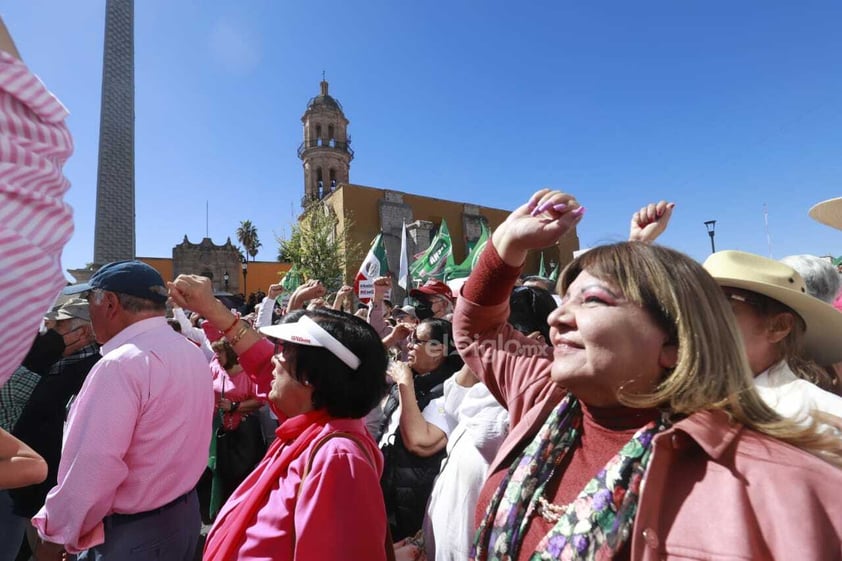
(320, 246)
(247, 235)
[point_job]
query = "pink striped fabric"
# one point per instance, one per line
(35, 222)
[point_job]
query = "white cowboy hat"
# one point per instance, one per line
(773, 279)
(828, 212)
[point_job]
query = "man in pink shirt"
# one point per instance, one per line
(137, 435)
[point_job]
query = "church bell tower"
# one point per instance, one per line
(326, 151)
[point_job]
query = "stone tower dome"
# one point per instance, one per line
(326, 151)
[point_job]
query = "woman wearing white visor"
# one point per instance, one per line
(316, 494)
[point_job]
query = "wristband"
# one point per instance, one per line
(236, 338)
(233, 324)
(234, 406)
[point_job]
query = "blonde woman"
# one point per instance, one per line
(646, 382)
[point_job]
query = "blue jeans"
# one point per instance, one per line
(12, 529)
(169, 533)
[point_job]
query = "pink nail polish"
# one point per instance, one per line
(579, 211)
(535, 211)
(560, 206)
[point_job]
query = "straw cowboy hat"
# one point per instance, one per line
(737, 269)
(828, 212)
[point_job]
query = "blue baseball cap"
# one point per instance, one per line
(134, 278)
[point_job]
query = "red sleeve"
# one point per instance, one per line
(492, 280)
(257, 362)
(515, 368)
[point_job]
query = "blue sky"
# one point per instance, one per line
(721, 107)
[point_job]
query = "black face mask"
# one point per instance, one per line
(424, 310)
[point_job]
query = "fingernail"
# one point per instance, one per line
(532, 203)
(579, 211)
(560, 206)
(535, 211)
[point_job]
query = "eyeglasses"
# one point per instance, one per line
(413, 340)
(279, 346)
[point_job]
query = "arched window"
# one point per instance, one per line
(330, 134)
(332, 179)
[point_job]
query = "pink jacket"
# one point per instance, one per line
(714, 490)
(336, 512)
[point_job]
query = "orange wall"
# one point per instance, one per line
(260, 273)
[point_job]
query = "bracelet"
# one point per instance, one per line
(233, 324)
(236, 338)
(234, 406)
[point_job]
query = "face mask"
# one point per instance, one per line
(424, 311)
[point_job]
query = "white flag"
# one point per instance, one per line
(403, 273)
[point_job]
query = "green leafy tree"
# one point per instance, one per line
(247, 235)
(319, 245)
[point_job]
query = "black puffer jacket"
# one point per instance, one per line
(407, 478)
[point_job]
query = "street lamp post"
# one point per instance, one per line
(245, 275)
(711, 226)
(226, 277)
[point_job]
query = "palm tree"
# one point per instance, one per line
(247, 235)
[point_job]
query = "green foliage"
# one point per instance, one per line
(247, 235)
(319, 245)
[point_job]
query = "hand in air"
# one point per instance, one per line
(650, 221)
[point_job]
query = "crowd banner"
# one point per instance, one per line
(464, 269)
(434, 261)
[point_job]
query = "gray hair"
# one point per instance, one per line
(821, 276)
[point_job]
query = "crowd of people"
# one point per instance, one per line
(646, 406)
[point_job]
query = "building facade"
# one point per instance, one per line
(326, 154)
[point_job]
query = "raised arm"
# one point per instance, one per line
(264, 317)
(313, 288)
(381, 285)
(514, 367)
(421, 437)
(255, 351)
(650, 221)
(341, 295)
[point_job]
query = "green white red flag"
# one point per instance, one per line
(374, 265)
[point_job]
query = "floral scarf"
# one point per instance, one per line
(595, 525)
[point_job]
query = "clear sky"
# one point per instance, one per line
(718, 106)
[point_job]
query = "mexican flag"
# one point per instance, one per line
(434, 261)
(464, 270)
(374, 265)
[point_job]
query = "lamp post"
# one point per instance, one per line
(711, 226)
(226, 277)
(245, 266)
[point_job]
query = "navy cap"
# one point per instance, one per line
(134, 278)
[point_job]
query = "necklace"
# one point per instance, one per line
(550, 512)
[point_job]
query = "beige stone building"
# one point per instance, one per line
(326, 156)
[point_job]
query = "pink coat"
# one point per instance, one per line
(714, 489)
(335, 512)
